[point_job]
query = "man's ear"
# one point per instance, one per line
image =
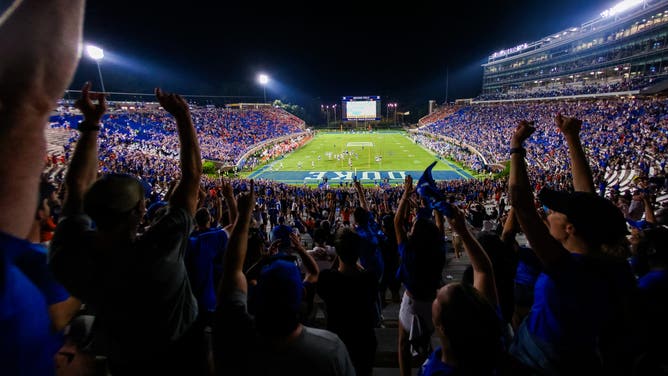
(569, 228)
(40, 214)
(138, 211)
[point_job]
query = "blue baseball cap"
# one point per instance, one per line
(278, 298)
(280, 283)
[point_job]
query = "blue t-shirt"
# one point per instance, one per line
(528, 267)
(371, 257)
(204, 263)
(33, 262)
(27, 344)
(654, 280)
(421, 271)
(570, 305)
(653, 288)
(434, 366)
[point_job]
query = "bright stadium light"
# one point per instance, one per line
(263, 79)
(621, 7)
(94, 52)
(97, 54)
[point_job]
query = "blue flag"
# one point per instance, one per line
(426, 188)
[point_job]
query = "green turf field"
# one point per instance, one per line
(371, 156)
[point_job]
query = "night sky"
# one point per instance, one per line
(315, 52)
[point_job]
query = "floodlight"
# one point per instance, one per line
(263, 79)
(94, 52)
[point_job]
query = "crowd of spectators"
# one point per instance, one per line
(620, 133)
(225, 134)
(450, 149)
(565, 89)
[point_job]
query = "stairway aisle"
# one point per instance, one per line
(386, 354)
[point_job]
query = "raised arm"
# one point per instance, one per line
(233, 277)
(649, 210)
(312, 270)
(228, 195)
(219, 210)
(201, 197)
(360, 195)
(547, 249)
(82, 171)
(510, 228)
(38, 62)
(583, 180)
(40, 42)
(186, 192)
(440, 222)
(483, 272)
(402, 210)
(170, 189)
(331, 215)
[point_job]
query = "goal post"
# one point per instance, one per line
(367, 144)
(359, 143)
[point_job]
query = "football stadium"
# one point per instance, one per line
(519, 231)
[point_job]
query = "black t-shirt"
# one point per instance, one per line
(350, 302)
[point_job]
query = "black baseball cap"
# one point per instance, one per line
(597, 218)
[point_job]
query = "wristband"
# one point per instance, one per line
(86, 126)
(520, 150)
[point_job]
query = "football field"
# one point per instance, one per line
(370, 157)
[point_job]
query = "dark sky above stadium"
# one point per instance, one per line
(315, 52)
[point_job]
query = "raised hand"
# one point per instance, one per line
(226, 188)
(274, 247)
(408, 185)
(172, 103)
(457, 220)
(569, 126)
(295, 241)
(522, 132)
(246, 201)
(92, 112)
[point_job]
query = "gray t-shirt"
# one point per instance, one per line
(314, 352)
(139, 291)
(240, 350)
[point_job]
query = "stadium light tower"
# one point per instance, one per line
(97, 54)
(393, 106)
(263, 79)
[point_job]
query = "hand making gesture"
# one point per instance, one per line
(408, 185)
(172, 103)
(569, 126)
(92, 112)
(522, 132)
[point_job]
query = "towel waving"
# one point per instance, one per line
(426, 188)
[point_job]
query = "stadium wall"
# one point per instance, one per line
(264, 144)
